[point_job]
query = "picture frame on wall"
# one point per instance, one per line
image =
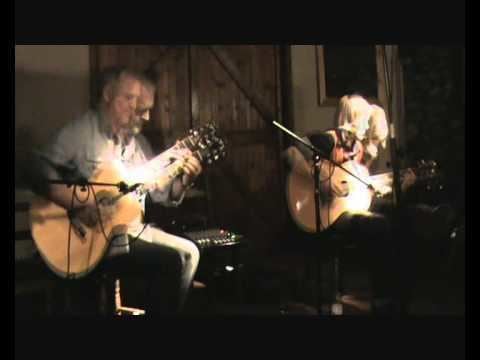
(349, 69)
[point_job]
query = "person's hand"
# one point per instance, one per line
(191, 166)
(383, 190)
(409, 178)
(341, 188)
(191, 169)
(372, 150)
(87, 214)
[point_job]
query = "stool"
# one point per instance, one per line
(109, 301)
(124, 310)
(92, 295)
(327, 302)
(328, 279)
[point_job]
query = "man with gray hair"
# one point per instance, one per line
(111, 134)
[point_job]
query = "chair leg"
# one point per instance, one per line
(337, 306)
(331, 304)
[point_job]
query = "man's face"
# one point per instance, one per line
(144, 106)
(124, 100)
(145, 103)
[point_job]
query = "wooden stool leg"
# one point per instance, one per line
(124, 310)
(337, 306)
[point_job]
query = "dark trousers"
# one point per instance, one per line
(420, 232)
(158, 267)
(371, 233)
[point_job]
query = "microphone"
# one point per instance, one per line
(125, 189)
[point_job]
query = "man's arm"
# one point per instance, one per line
(54, 162)
(57, 158)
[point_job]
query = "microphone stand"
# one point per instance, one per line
(397, 193)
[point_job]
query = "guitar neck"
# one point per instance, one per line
(162, 169)
(384, 179)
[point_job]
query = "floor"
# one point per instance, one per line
(438, 289)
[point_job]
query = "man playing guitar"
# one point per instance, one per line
(107, 136)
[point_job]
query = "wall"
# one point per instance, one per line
(307, 114)
(51, 87)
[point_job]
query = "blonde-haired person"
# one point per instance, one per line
(376, 138)
(376, 134)
(342, 143)
(370, 231)
(352, 114)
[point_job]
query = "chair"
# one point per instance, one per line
(331, 293)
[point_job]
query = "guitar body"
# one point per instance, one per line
(301, 198)
(51, 226)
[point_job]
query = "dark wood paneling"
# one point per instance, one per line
(172, 114)
(253, 147)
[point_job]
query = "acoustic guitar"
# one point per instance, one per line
(300, 192)
(72, 248)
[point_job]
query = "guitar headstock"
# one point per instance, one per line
(204, 142)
